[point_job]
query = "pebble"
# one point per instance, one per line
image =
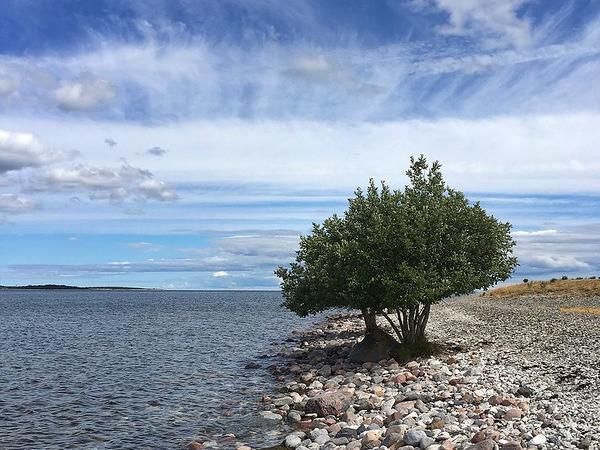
(540, 439)
(414, 436)
(292, 441)
(268, 415)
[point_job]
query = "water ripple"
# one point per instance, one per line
(115, 370)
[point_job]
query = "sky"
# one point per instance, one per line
(187, 144)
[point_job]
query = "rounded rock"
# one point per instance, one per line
(414, 436)
(292, 441)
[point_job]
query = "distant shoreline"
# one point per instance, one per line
(65, 287)
(61, 287)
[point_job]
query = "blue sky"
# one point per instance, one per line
(187, 144)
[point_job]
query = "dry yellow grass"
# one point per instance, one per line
(581, 310)
(558, 287)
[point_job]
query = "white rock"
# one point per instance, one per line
(540, 439)
(292, 441)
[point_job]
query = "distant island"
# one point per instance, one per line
(66, 287)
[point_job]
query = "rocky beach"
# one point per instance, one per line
(513, 373)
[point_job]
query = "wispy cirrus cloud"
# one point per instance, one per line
(187, 77)
(145, 246)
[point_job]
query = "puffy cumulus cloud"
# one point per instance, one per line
(115, 184)
(21, 150)
(496, 22)
(554, 262)
(84, 94)
(16, 204)
(157, 190)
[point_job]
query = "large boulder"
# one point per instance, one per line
(375, 346)
(331, 402)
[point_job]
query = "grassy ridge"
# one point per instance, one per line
(587, 287)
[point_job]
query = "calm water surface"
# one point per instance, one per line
(133, 369)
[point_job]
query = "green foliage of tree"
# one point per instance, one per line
(397, 252)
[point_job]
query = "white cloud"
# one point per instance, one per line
(21, 150)
(271, 244)
(110, 142)
(554, 262)
(84, 94)
(157, 190)
(496, 20)
(190, 80)
(113, 183)
(220, 274)
(16, 204)
(525, 154)
(551, 252)
(534, 233)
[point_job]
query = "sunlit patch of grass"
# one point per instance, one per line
(581, 310)
(584, 287)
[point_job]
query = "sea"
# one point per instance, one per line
(103, 369)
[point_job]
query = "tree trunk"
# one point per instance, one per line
(370, 320)
(376, 345)
(413, 322)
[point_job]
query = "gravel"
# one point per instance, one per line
(516, 373)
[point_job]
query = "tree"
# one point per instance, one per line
(395, 253)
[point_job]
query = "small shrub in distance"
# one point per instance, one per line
(525, 280)
(553, 280)
(564, 277)
(592, 278)
(579, 278)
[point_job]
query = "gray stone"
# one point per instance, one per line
(353, 445)
(283, 401)
(374, 347)
(488, 444)
(292, 441)
(511, 446)
(334, 403)
(268, 415)
(414, 436)
(426, 442)
(325, 371)
(294, 416)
